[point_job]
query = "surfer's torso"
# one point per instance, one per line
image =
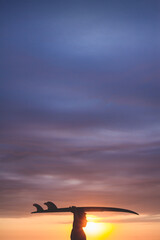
(79, 222)
(78, 234)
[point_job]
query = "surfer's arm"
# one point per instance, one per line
(76, 216)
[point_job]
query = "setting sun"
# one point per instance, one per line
(97, 229)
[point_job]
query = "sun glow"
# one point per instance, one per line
(97, 229)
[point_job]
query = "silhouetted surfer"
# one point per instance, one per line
(79, 222)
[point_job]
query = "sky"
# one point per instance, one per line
(80, 119)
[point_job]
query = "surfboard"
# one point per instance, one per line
(53, 208)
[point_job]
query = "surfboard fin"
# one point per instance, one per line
(51, 206)
(38, 207)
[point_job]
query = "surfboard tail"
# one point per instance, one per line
(51, 207)
(38, 207)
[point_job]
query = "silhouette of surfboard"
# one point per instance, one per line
(51, 207)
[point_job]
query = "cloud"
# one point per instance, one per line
(80, 105)
(68, 170)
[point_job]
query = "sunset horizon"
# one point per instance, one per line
(80, 119)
